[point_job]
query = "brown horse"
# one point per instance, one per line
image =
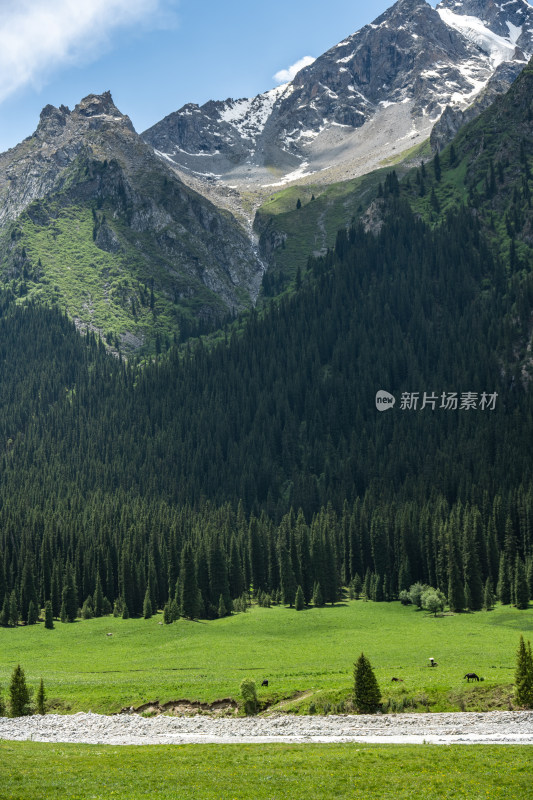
(471, 676)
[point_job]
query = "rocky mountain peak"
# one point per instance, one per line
(52, 121)
(100, 107)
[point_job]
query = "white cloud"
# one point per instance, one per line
(37, 36)
(286, 75)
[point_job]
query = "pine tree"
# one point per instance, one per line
(456, 595)
(221, 607)
(287, 579)
(188, 584)
(504, 584)
(318, 598)
(521, 591)
(299, 600)
(69, 596)
(147, 604)
(98, 598)
(4, 614)
(41, 699)
(13, 610)
(524, 675)
(437, 167)
(32, 614)
(488, 596)
(48, 617)
(367, 695)
(19, 695)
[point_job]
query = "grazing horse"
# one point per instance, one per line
(471, 676)
(397, 680)
(265, 683)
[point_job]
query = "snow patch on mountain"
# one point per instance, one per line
(497, 47)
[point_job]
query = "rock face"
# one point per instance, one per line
(390, 81)
(91, 160)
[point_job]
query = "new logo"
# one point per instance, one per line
(384, 400)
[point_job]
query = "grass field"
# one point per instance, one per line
(310, 651)
(31, 771)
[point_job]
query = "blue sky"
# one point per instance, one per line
(156, 55)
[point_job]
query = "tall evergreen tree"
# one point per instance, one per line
(69, 600)
(524, 675)
(188, 584)
(19, 695)
(521, 592)
(367, 694)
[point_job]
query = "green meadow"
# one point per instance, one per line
(306, 656)
(31, 771)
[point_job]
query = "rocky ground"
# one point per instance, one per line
(500, 727)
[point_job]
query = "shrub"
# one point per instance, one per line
(433, 601)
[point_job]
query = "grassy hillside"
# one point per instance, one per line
(309, 652)
(29, 770)
(288, 235)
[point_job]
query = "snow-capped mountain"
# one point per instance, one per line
(376, 93)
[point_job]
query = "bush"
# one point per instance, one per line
(433, 601)
(367, 695)
(249, 696)
(415, 593)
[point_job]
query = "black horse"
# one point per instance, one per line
(471, 676)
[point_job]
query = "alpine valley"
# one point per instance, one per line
(195, 323)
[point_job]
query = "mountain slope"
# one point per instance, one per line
(378, 91)
(92, 220)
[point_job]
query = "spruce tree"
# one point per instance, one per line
(521, 591)
(41, 699)
(69, 605)
(4, 613)
(504, 584)
(524, 675)
(367, 695)
(286, 576)
(318, 598)
(48, 617)
(19, 695)
(32, 614)
(221, 607)
(13, 610)
(98, 598)
(488, 596)
(299, 600)
(456, 595)
(188, 584)
(147, 604)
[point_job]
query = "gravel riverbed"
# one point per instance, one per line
(498, 727)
